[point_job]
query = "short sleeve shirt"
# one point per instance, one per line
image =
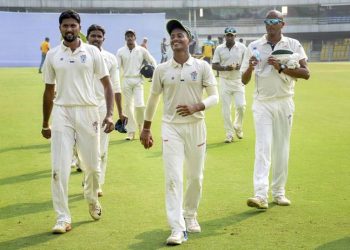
(131, 61)
(226, 57)
(113, 69)
(269, 84)
(73, 73)
(182, 85)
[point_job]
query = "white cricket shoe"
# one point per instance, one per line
(177, 238)
(131, 136)
(258, 202)
(281, 200)
(239, 133)
(192, 225)
(229, 139)
(95, 210)
(61, 227)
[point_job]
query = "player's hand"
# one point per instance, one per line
(146, 138)
(123, 118)
(185, 110)
(108, 124)
(46, 133)
(274, 62)
(229, 68)
(253, 61)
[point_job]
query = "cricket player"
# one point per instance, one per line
(228, 59)
(96, 36)
(69, 70)
(181, 80)
(130, 59)
(273, 108)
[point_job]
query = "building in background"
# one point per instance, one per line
(321, 25)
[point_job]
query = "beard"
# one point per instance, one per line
(69, 37)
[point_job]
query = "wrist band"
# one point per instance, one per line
(147, 129)
(46, 128)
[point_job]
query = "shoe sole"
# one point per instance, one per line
(253, 204)
(61, 231)
(194, 231)
(281, 204)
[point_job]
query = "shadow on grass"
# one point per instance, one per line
(155, 239)
(217, 145)
(20, 209)
(26, 177)
(339, 244)
(35, 239)
(36, 146)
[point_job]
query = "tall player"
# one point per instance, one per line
(69, 71)
(181, 81)
(273, 108)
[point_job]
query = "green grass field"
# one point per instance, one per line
(133, 202)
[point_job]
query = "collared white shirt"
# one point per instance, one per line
(130, 62)
(73, 73)
(113, 69)
(182, 85)
(226, 57)
(269, 84)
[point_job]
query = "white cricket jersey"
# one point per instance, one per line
(269, 84)
(226, 57)
(113, 69)
(73, 73)
(130, 62)
(182, 85)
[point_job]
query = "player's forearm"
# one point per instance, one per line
(147, 125)
(218, 67)
(118, 102)
(297, 73)
(109, 100)
(247, 75)
(47, 106)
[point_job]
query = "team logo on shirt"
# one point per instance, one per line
(194, 75)
(83, 58)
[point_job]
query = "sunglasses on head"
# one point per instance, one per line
(272, 21)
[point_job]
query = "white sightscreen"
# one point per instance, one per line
(22, 33)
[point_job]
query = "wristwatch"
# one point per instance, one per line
(282, 67)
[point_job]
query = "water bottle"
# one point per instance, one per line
(256, 53)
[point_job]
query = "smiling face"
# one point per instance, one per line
(96, 38)
(69, 29)
(274, 29)
(179, 40)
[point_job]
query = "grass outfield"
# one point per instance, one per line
(134, 210)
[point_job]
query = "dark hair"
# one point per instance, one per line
(94, 27)
(69, 14)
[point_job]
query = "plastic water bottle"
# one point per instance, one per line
(256, 53)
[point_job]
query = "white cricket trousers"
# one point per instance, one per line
(134, 103)
(104, 141)
(232, 89)
(273, 123)
(183, 145)
(78, 125)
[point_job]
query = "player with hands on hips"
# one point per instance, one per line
(181, 81)
(69, 72)
(273, 107)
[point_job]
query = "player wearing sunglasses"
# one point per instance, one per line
(273, 107)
